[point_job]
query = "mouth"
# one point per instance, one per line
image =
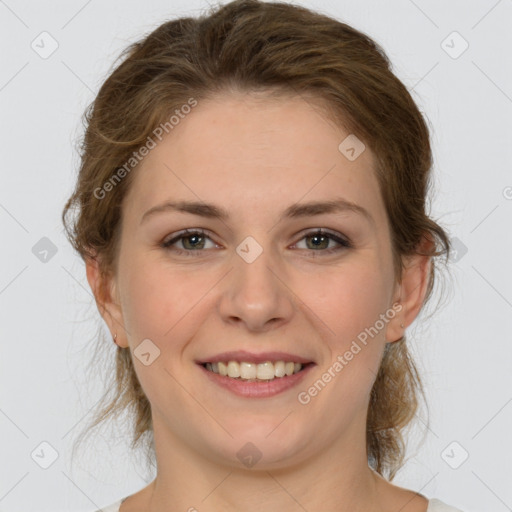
(256, 376)
(255, 372)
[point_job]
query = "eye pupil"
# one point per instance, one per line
(189, 237)
(317, 237)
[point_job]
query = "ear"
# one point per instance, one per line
(105, 294)
(411, 290)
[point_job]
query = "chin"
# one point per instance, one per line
(263, 448)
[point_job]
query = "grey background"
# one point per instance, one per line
(47, 314)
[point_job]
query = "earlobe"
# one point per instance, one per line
(103, 288)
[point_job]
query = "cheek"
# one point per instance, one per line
(353, 309)
(157, 306)
(348, 300)
(155, 296)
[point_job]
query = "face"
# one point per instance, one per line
(258, 280)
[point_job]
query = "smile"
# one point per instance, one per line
(251, 371)
(256, 380)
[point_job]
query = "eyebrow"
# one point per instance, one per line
(296, 210)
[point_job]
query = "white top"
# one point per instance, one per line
(434, 505)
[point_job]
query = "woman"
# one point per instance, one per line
(251, 212)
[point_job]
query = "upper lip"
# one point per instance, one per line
(250, 357)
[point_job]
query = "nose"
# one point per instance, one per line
(257, 294)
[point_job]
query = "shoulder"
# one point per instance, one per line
(114, 507)
(435, 505)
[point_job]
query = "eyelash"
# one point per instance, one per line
(344, 242)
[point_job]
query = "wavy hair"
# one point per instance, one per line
(271, 47)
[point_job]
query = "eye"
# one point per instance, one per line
(320, 240)
(193, 241)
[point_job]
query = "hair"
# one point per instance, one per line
(273, 48)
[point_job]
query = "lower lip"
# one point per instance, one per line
(257, 389)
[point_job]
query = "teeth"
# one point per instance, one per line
(250, 371)
(279, 369)
(265, 371)
(233, 369)
(223, 368)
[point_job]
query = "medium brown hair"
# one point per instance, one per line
(252, 46)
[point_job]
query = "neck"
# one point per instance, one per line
(337, 479)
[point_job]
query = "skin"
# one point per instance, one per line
(255, 156)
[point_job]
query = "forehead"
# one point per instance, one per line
(252, 152)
